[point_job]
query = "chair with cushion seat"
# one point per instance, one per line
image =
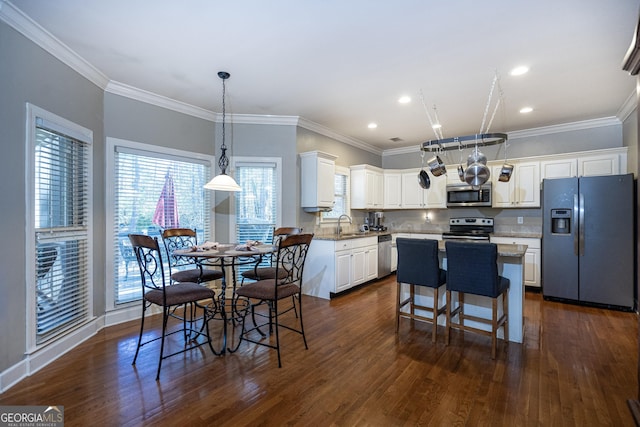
(472, 268)
(418, 265)
(186, 269)
(170, 297)
(287, 282)
(261, 273)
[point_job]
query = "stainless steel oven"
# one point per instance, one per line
(469, 229)
(462, 195)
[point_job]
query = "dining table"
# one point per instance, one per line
(227, 256)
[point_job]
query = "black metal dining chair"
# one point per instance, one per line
(170, 297)
(472, 268)
(418, 265)
(287, 282)
(259, 272)
(186, 269)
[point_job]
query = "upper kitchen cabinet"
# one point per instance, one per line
(392, 194)
(599, 164)
(367, 187)
(416, 197)
(558, 168)
(521, 191)
(316, 180)
(592, 163)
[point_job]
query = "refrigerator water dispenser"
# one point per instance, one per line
(561, 221)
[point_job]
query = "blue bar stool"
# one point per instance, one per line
(418, 266)
(472, 268)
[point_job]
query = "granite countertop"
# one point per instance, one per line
(347, 236)
(520, 234)
(358, 235)
(504, 250)
(501, 233)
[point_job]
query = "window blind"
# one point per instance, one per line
(340, 183)
(257, 203)
(141, 178)
(61, 232)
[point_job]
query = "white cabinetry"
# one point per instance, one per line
(334, 266)
(367, 187)
(316, 180)
(392, 194)
(356, 262)
(599, 164)
(590, 163)
(416, 197)
(522, 190)
(532, 259)
(558, 168)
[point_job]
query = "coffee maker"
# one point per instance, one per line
(375, 221)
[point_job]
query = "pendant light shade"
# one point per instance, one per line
(223, 182)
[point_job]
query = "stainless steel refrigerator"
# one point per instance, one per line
(588, 239)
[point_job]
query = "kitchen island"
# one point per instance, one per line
(332, 261)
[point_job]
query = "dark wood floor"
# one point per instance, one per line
(577, 366)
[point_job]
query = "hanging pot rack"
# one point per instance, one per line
(458, 142)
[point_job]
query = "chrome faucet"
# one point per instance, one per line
(339, 219)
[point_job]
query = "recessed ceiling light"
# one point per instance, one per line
(437, 126)
(518, 71)
(526, 110)
(404, 99)
(372, 125)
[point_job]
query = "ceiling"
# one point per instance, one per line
(343, 64)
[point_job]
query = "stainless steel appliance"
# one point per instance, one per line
(469, 229)
(375, 221)
(588, 240)
(462, 195)
(384, 255)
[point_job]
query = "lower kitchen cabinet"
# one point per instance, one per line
(532, 258)
(333, 266)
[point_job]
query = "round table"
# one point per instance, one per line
(226, 255)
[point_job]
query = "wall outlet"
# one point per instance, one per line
(520, 220)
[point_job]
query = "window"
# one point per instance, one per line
(340, 197)
(59, 287)
(257, 206)
(154, 189)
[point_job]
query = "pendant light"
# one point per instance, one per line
(223, 182)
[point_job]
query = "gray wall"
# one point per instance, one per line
(29, 74)
(261, 141)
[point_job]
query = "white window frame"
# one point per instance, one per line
(117, 313)
(232, 202)
(33, 113)
(341, 170)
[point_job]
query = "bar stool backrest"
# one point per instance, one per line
(472, 268)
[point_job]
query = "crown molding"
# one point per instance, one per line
(323, 130)
(629, 106)
(141, 95)
(565, 127)
(26, 26)
(257, 119)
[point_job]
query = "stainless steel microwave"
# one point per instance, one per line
(463, 195)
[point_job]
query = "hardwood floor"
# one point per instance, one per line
(577, 366)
